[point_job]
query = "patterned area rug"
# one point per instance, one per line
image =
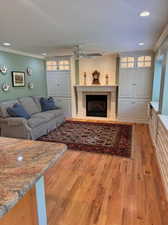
(114, 139)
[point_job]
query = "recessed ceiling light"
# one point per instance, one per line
(141, 43)
(6, 44)
(44, 54)
(144, 14)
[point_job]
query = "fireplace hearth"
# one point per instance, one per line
(96, 105)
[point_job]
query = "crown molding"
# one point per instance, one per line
(61, 52)
(161, 38)
(136, 53)
(10, 50)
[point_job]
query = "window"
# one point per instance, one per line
(127, 62)
(135, 62)
(164, 86)
(157, 79)
(59, 64)
(144, 61)
(64, 65)
(51, 65)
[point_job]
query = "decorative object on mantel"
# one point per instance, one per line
(3, 69)
(18, 79)
(5, 87)
(30, 85)
(29, 71)
(107, 79)
(96, 76)
(84, 78)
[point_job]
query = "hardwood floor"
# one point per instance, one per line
(97, 189)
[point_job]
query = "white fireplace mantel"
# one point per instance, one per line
(95, 88)
(83, 90)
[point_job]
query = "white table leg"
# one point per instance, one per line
(41, 202)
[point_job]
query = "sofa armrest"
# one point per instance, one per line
(16, 121)
(15, 127)
(57, 102)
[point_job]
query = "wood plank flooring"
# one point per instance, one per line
(97, 189)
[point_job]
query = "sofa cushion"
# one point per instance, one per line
(17, 110)
(49, 115)
(4, 106)
(36, 121)
(47, 104)
(29, 104)
(57, 112)
(45, 115)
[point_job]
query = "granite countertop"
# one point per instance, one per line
(18, 177)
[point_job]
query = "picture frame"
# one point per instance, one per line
(18, 79)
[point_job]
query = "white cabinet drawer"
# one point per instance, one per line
(133, 109)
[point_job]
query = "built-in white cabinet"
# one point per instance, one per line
(135, 87)
(143, 83)
(126, 83)
(153, 123)
(135, 83)
(59, 86)
(59, 83)
(158, 126)
(162, 152)
(133, 109)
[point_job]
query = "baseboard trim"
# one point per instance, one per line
(133, 120)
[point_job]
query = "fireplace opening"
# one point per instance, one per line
(96, 105)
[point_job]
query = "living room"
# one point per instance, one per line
(83, 112)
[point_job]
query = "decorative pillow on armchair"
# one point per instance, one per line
(47, 104)
(18, 111)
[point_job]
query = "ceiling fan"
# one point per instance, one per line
(80, 53)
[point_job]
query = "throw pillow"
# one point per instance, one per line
(47, 104)
(18, 111)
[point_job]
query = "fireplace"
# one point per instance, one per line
(96, 105)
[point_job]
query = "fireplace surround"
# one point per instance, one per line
(110, 91)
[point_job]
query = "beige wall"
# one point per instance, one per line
(104, 64)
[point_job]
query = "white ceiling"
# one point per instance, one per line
(37, 26)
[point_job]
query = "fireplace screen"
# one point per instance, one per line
(96, 105)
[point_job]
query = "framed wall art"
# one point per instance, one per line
(18, 79)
